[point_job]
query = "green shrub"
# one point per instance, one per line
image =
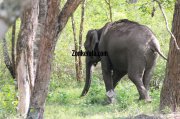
(96, 94)
(8, 98)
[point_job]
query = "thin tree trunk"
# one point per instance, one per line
(108, 2)
(170, 93)
(10, 63)
(13, 47)
(80, 38)
(76, 48)
(7, 59)
(24, 66)
(54, 24)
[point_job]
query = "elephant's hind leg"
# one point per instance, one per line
(135, 73)
(150, 64)
(147, 77)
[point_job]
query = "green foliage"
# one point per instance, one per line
(96, 94)
(65, 91)
(8, 94)
(65, 103)
(58, 97)
(8, 99)
(126, 95)
(64, 100)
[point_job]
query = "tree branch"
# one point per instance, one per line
(66, 12)
(167, 26)
(75, 46)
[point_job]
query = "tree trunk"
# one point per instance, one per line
(76, 48)
(80, 39)
(13, 47)
(24, 66)
(54, 24)
(40, 31)
(44, 63)
(108, 2)
(170, 93)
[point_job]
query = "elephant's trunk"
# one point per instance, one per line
(88, 77)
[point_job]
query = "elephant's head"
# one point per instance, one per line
(91, 44)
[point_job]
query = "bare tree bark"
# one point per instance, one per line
(54, 24)
(24, 61)
(80, 38)
(108, 2)
(170, 94)
(76, 48)
(40, 31)
(46, 50)
(10, 10)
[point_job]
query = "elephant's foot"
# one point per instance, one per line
(111, 100)
(111, 97)
(147, 99)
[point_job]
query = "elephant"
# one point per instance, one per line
(132, 49)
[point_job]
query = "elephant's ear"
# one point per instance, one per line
(94, 40)
(91, 40)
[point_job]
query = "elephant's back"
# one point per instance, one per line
(128, 36)
(125, 41)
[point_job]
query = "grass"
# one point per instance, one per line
(65, 103)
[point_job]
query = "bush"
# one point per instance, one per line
(8, 100)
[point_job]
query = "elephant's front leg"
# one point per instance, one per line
(106, 71)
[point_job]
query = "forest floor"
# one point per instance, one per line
(65, 102)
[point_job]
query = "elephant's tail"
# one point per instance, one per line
(161, 54)
(156, 47)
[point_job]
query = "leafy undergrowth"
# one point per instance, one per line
(8, 98)
(64, 102)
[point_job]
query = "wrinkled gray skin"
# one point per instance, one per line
(132, 49)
